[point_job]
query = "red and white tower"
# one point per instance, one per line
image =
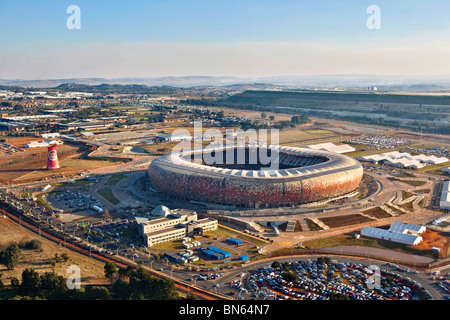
(52, 160)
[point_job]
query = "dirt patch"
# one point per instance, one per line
(435, 239)
(377, 213)
(342, 221)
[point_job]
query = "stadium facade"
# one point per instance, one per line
(302, 176)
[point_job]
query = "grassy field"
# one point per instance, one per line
(406, 194)
(317, 131)
(301, 137)
(408, 206)
(434, 168)
(42, 202)
(233, 234)
(312, 225)
(394, 209)
(108, 195)
(350, 240)
(114, 179)
(414, 183)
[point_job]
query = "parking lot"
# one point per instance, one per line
(10, 148)
(116, 228)
(73, 200)
(313, 280)
(380, 142)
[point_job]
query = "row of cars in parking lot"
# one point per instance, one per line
(112, 227)
(74, 200)
(311, 280)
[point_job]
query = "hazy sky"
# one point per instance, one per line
(247, 38)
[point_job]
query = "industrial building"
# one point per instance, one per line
(43, 143)
(236, 242)
(173, 137)
(215, 253)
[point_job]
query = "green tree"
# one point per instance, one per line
(15, 282)
(323, 260)
(276, 264)
(10, 256)
(65, 256)
(97, 293)
(121, 290)
(31, 282)
(110, 270)
(53, 286)
(289, 276)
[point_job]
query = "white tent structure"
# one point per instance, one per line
(401, 227)
(329, 146)
(403, 238)
(403, 159)
(404, 233)
(444, 202)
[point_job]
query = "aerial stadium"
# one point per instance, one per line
(301, 176)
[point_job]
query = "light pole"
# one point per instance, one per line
(195, 281)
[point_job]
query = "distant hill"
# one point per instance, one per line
(117, 88)
(292, 97)
(328, 82)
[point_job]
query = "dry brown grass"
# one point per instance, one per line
(92, 271)
(377, 213)
(342, 221)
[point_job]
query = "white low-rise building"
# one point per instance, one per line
(177, 224)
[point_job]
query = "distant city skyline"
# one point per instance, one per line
(242, 38)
